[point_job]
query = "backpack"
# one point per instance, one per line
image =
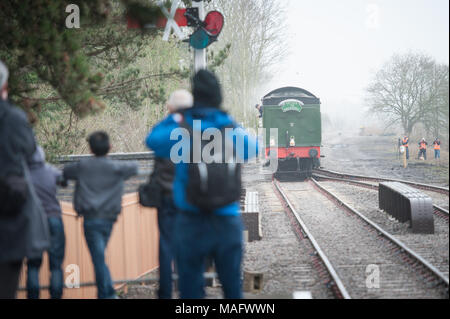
(213, 185)
(13, 195)
(150, 193)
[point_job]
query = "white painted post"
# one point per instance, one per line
(302, 295)
(199, 55)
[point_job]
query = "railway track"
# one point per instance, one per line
(434, 188)
(320, 261)
(438, 210)
(433, 247)
(351, 242)
(441, 212)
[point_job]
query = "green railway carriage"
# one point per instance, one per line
(295, 113)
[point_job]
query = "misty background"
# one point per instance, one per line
(336, 47)
(109, 77)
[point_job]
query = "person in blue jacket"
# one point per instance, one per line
(198, 234)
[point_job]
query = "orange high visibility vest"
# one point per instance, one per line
(423, 146)
(437, 146)
(405, 142)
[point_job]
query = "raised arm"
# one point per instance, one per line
(128, 170)
(159, 138)
(70, 171)
(245, 145)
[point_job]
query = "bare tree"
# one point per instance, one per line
(255, 29)
(406, 89)
(436, 120)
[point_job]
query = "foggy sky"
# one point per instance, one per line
(335, 46)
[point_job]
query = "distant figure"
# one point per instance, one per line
(437, 148)
(405, 143)
(362, 131)
(17, 143)
(45, 179)
(98, 197)
(423, 149)
(259, 107)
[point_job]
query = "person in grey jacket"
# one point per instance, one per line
(17, 142)
(45, 179)
(98, 197)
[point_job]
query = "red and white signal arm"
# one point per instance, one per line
(207, 33)
(171, 23)
(173, 20)
(179, 18)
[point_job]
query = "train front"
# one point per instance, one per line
(292, 120)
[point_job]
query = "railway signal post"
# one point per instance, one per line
(200, 54)
(207, 27)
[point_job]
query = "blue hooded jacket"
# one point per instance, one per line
(159, 140)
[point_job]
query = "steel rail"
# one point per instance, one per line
(440, 276)
(434, 188)
(439, 211)
(323, 257)
(350, 181)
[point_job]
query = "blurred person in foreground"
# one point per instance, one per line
(204, 228)
(98, 198)
(17, 143)
(164, 173)
(46, 179)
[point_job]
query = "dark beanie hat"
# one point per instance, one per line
(206, 89)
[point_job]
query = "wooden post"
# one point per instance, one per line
(405, 162)
(403, 152)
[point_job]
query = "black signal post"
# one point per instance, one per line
(207, 30)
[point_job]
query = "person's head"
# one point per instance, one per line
(99, 143)
(423, 139)
(180, 100)
(3, 81)
(38, 157)
(206, 90)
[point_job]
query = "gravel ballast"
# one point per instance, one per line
(283, 259)
(434, 248)
(351, 248)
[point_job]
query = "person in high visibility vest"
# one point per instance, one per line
(259, 107)
(405, 143)
(423, 148)
(437, 148)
